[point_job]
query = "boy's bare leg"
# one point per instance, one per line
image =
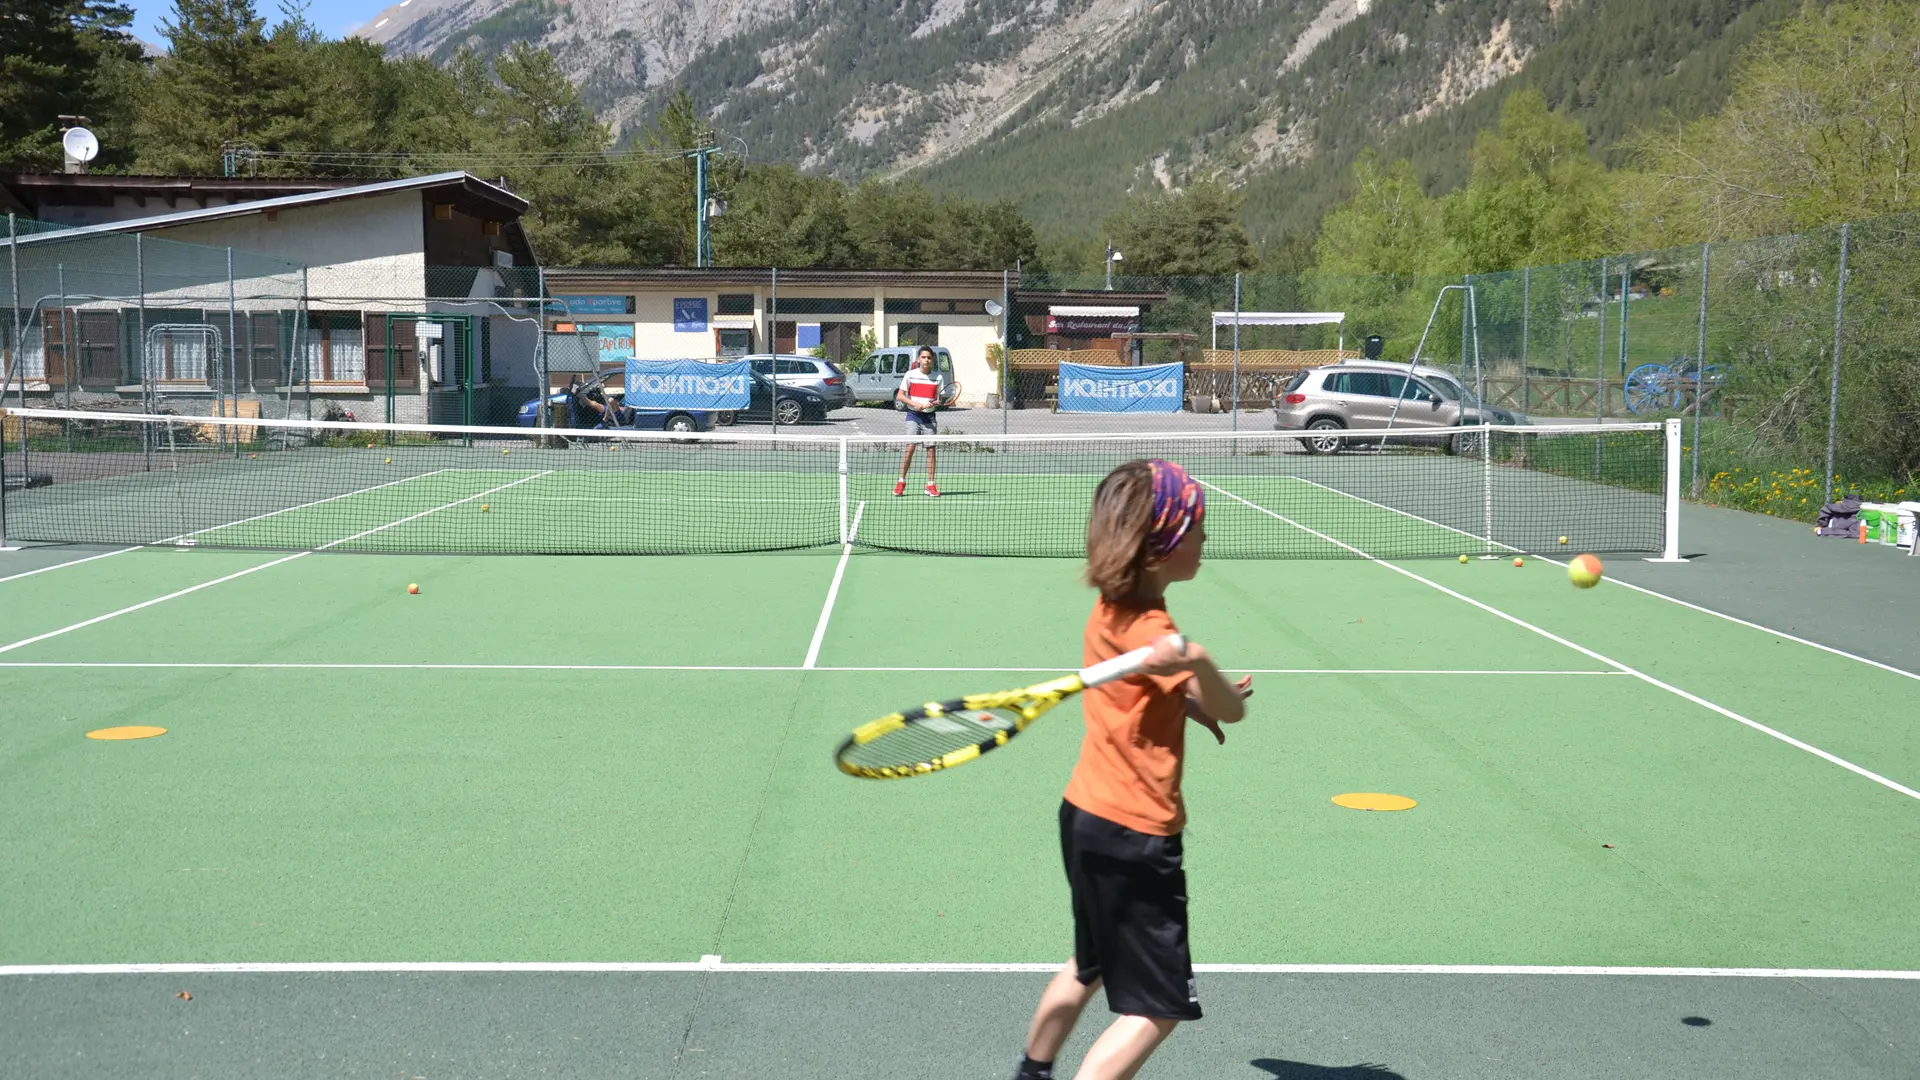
(906, 462)
(1058, 1011)
(1125, 1046)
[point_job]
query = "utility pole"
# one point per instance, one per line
(703, 207)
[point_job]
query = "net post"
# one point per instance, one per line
(844, 539)
(3, 471)
(1670, 550)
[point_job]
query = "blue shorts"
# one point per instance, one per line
(923, 423)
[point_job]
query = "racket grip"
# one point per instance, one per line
(1123, 665)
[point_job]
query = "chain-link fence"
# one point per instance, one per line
(1793, 379)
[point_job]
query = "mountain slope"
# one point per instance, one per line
(1068, 105)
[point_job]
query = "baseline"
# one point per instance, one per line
(716, 964)
(1798, 744)
(298, 665)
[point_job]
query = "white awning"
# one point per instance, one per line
(1277, 318)
(1083, 312)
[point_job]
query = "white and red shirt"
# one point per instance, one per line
(921, 390)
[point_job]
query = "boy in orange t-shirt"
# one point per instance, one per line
(1121, 820)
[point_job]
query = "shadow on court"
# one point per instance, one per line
(1300, 1070)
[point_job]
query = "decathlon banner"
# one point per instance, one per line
(1156, 389)
(687, 384)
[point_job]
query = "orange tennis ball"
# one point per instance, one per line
(412, 589)
(483, 508)
(1584, 571)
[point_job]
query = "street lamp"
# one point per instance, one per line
(1113, 256)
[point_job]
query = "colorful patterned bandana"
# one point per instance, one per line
(1178, 505)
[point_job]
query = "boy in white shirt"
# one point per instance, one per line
(919, 393)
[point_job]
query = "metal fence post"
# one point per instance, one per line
(1626, 283)
(773, 349)
(1526, 312)
(19, 323)
(1236, 352)
(1700, 365)
(140, 344)
(233, 353)
(1833, 396)
(1006, 347)
(66, 339)
(540, 347)
(303, 326)
(1600, 370)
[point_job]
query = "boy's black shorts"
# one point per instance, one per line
(1129, 915)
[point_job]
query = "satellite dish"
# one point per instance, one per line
(994, 309)
(80, 144)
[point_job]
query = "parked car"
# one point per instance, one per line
(797, 404)
(643, 419)
(875, 378)
(1360, 396)
(821, 376)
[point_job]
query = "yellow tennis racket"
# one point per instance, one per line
(942, 734)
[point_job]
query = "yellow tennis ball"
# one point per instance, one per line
(504, 453)
(389, 461)
(1463, 558)
(1584, 571)
(1519, 562)
(412, 589)
(483, 508)
(1563, 539)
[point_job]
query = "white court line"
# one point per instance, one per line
(1589, 653)
(296, 665)
(715, 964)
(833, 590)
(211, 528)
(254, 569)
(69, 562)
(1630, 585)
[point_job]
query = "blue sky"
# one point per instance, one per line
(334, 17)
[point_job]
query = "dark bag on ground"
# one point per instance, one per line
(1840, 518)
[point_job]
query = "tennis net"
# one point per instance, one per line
(115, 478)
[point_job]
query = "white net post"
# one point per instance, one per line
(844, 538)
(1670, 549)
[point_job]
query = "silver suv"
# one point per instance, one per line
(1360, 396)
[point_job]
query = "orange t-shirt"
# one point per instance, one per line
(1129, 768)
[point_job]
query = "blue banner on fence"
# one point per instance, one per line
(1157, 389)
(687, 384)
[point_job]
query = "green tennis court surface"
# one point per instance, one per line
(625, 763)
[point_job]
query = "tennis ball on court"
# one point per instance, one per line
(1463, 558)
(389, 461)
(1519, 562)
(483, 508)
(1584, 571)
(412, 589)
(1563, 539)
(504, 453)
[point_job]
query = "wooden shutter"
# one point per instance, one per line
(375, 339)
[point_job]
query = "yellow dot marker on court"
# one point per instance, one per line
(1373, 800)
(116, 734)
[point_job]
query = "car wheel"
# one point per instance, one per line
(725, 417)
(1320, 441)
(680, 422)
(1465, 444)
(787, 411)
